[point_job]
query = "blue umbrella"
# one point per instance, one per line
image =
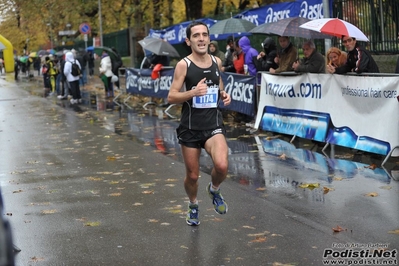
(90, 48)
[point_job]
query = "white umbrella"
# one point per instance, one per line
(335, 27)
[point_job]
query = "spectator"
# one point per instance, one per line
(64, 84)
(238, 59)
(1, 65)
(250, 54)
(116, 65)
(72, 80)
(90, 62)
(265, 59)
(286, 57)
(214, 50)
(36, 65)
(313, 61)
(83, 58)
(17, 64)
(160, 60)
(228, 65)
(106, 72)
(359, 59)
(336, 57)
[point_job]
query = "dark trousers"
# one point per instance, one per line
(75, 89)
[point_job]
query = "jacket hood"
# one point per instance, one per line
(245, 44)
(69, 57)
(215, 43)
(269, 45)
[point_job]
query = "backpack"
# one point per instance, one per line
(75, 69)
(44, 69)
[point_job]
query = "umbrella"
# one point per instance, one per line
(289, 27)
(33, 54)
(59, 54)
(335, 27)
(51, 51)
(158, 47)
(90, 48)
(231, 26)
(23, 59)
(42, 53)
(114, 56)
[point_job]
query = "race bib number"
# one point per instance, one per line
(209, 100)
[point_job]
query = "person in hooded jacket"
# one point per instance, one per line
(265, 59)
(214, 50)
(250, 54)
(286, 57)
(72, 80)
(228, 65)
(106, 70)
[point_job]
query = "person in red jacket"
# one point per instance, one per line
(238, 59)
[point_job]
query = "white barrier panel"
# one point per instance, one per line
(358, 112)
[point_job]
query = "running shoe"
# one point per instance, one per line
(217, 200)
(192, 215)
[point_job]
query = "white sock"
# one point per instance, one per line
(214, 188)
(194, 203)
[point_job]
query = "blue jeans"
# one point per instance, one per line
(83, 78)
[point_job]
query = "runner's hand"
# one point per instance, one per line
(201, 89)
(225, 98)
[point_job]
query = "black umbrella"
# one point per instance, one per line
(289, 27)
(158, 47)
(231, 26)
(114, 56)
(42, 53)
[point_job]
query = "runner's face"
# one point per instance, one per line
(199, 39)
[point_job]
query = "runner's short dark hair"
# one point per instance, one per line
(193, 24)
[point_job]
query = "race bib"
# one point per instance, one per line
(209, 100)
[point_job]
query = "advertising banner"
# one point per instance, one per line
(357, 112)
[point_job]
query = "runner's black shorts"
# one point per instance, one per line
(197, 138)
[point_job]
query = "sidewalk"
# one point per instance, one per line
(76, 193)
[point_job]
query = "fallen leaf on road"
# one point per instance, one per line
(372, 194)
(338, 229)
(48, 211)
(338, 178)
(394, 232)
(259, 239)
(386, 187)
(310, 185)
(92, 224)
(115, 194)
(327, 189)
(248, 227)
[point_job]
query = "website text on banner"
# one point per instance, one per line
(357, 112)
(240, 87)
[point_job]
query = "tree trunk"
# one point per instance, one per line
(193, 9)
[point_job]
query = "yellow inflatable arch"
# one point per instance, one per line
(8, 54)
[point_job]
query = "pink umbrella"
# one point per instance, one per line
(335, 27)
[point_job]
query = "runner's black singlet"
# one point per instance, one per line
(202, 113)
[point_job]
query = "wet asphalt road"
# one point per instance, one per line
(102, 185)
